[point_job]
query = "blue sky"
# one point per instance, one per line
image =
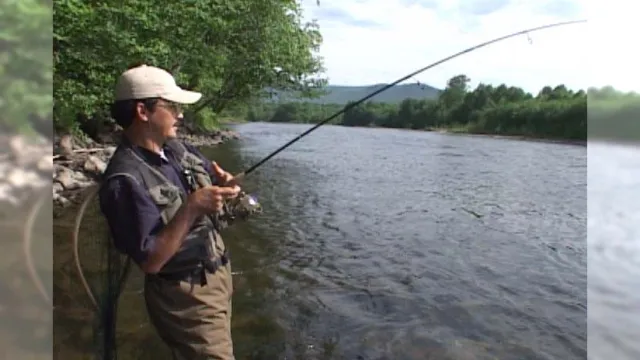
(379, 41)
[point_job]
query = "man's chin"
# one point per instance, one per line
(172, 134)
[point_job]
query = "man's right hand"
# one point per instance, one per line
(210, 199)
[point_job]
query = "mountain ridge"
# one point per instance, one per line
(342, 94)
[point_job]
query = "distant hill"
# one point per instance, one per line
(340, 94)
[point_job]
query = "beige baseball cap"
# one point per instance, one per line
(145, 81)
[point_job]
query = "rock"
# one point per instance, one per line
(57, 168)
(67, 178)
(7, 193)
(46, 163)
(4, 169)
(109, 151)
(20, 178)
(16, 144)
(57, 188)
(28, 151)
(22, 168)
(62, 201)
(57, 197)
(66, 145)
(94, 165)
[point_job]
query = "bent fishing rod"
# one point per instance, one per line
(349, 106)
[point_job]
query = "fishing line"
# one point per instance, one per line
(349, 106)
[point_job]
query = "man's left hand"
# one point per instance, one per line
(225, 178)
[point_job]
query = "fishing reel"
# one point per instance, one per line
(241, 207)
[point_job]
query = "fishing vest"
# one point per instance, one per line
(203, 246)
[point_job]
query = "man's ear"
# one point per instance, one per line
(142, 112)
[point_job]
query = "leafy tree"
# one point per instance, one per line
(25, 66)
(229, 50)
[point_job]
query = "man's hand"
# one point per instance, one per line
(223, 177)
(210, 199)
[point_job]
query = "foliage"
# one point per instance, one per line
(25, 66)
(553, 113)
(298, 112)
(613, 115)
(229, 50)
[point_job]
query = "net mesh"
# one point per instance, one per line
(103, 271)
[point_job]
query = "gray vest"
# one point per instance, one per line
(203, 245)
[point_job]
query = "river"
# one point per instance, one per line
(392, 244)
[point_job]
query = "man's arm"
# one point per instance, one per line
(136, 224)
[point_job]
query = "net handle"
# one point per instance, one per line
(92, 191)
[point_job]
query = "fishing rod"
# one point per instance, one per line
(245, 205)
(349, 106)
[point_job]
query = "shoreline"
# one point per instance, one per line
(77, 164)
(454, 132)
(513, 137)
(446, 131)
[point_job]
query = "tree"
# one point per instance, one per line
(455, 91)
(25, 66)
(232, 51)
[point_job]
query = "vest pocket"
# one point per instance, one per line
(168, 198)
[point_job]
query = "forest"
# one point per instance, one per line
(553, 113)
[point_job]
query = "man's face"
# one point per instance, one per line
(163, 119)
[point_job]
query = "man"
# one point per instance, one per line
(160, 198)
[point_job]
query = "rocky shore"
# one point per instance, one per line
(26, 165)
(77, 163)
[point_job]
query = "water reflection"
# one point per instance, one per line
(258, 249)
(431, 265)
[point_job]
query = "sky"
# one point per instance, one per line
(379, 41)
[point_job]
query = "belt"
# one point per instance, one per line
(199, 273)
(213, 265)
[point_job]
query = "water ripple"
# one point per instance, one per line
(614, 252)
(410, 245)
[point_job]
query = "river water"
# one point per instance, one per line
(614, 252)
(392, 244)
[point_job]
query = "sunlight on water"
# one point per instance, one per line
(614, 252)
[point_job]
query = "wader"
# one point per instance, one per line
(189, 300)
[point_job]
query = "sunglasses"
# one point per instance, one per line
(175, 109)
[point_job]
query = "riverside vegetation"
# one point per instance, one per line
(553, 113)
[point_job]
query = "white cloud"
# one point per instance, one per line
(614, 57)
(411, 36)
